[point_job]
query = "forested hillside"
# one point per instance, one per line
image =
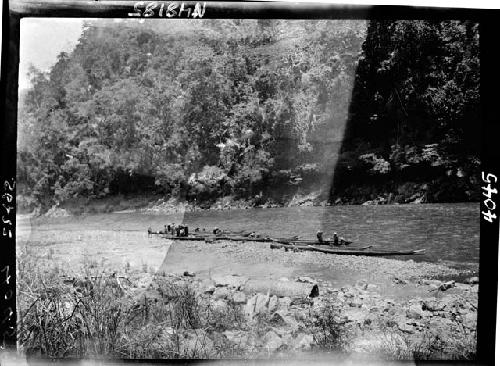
(255, 109)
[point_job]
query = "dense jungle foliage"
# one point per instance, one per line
(353, 110)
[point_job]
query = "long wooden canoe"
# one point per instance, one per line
(360, 251)
(294, 244)
(211, 237)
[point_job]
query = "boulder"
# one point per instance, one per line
(256, 305)
(303, 341)
(282, 288)
(273, 304)
(447, 285)
(433, 305)
(436, 283)
(414, 312)
(470, 320)
(239, 297)
(189, 274)
(284, 319)
(272, 341)
(221, 293)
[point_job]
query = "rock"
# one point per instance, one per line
(348, 292)
(283, 319)
(391, 323)
(219, 305)
(432, 282)
(221, 293)
(371, 319)
(209, 290)
(236, 336)
(303, 341)
(282, 288)
(433, 305)
(305, 279)
(414, 312)
(278, 318)
(206, 286)
(355, 303)
(447, 285)
(472, 280)
(256, 305)
(236, 282)
(169, 330)
(469, 320)
(239, 297)
(272, 306)
(284, 302)
(355, 316)
(189, 274)
(406, 328)
(272, 341)
(400, 281)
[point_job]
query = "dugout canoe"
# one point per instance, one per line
(360, 251)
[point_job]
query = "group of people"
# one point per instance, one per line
(332, 241)
(172, 229)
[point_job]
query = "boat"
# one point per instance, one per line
(354, 251)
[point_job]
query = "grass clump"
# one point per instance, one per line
(99, 315)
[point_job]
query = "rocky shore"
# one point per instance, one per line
(350, 319)
(239, 300)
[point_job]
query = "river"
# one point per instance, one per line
(448, 232)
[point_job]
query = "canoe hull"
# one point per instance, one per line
(345, 251)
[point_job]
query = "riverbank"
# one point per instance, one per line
(161, 205)
(392, 308)
(231, 307)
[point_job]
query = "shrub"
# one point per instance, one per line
(331, 328)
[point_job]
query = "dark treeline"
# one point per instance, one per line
(202, 110)
(413, 129)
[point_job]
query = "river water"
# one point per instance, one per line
(448, 232)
